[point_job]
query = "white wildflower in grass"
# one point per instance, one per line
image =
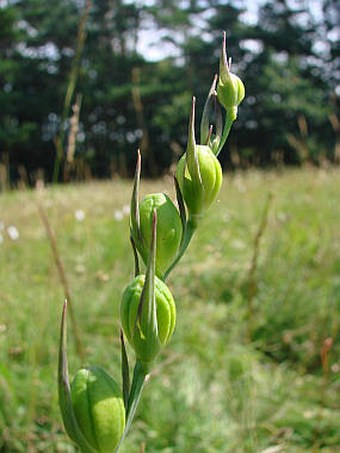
(79, 215)
(281, 216)
(13, 233)
(126, 210)
(118, 215)
(238, 244)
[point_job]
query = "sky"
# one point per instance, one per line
(150, 43)
(149, 37)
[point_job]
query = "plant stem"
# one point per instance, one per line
(190, 229)
(138, 380)
(229, 119)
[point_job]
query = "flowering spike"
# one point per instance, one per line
(96, 414)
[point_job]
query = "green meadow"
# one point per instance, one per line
(253, 365)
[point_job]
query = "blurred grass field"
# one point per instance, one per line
(243, 373)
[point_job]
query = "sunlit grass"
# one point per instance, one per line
(231, 380)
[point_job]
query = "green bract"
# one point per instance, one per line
(98, 407)
(136, 320)
(169, 230)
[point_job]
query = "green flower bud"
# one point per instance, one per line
(169, 230)
(147, 327)
(230, 88)
(98, 408)
(199, 173)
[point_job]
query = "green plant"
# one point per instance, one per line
(96, 415)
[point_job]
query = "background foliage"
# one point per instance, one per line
(285, 51)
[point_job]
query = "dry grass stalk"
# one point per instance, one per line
(74, 128)
(60, 268)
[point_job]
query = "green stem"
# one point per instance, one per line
(138, 380)
(229, 119)
(190, 229)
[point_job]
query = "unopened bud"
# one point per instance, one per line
(230, 88)
(148, 327)
(169, 230)
(98, 408)
(199, 173)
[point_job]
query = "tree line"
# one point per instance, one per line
(78, 96)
